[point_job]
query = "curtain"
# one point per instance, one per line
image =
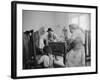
(28, 47)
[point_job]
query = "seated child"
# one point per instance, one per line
(46, 60)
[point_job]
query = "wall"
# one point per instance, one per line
(37, 19)
(56, 20)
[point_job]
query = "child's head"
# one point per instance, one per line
(47, 50)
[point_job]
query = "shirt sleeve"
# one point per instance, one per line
(42, 41)
(41, 60)
(41, 44)
(56, 37)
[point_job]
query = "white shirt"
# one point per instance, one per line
(47, 60)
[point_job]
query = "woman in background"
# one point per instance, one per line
(76, 54)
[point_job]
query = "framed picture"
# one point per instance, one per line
(50, 39)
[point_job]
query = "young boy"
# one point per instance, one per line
(47, 59)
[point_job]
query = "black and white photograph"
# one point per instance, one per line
(54, 39)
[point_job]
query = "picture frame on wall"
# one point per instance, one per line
(51, 39)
